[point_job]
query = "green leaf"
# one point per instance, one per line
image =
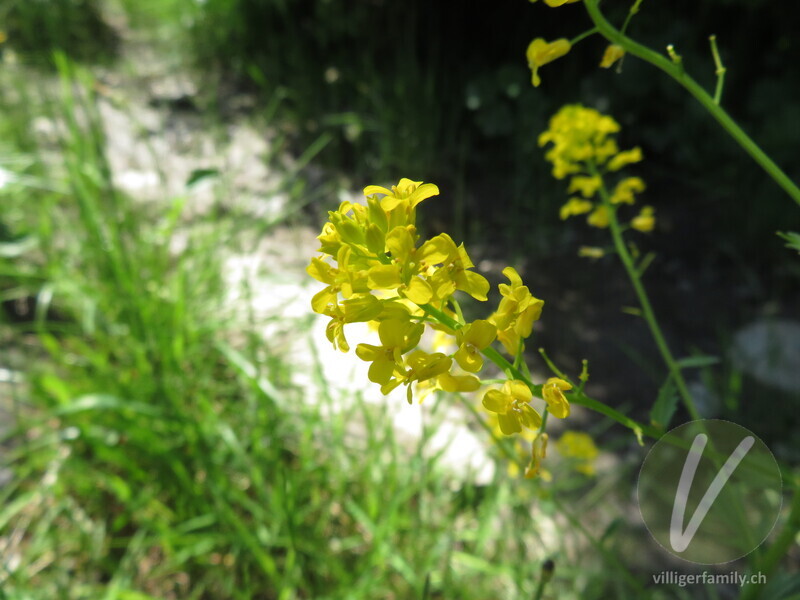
(18, 247)
(665, 406)
(793, 238)
(693, 362)
(199, 175)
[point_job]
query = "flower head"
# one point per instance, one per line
(645, 221)
(579, 135)
(553, 393)
(541, 52)
(472, 338)
(611, 55)
(517, 312)
(511, 403)
(538, 453)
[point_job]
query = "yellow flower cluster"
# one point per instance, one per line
(579, 449)
(376, 270)
(584, 148)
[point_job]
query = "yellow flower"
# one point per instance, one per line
(517, 312)
(580, 448)
(472, 338)
(587, 186)
(599, 217)
(645, 221)
(540, 53)
(624, 158)
(344, 280)
(511, 403)
(406, 192)
(453, 273)
(555, 3)
(553, 393)
(538, 453)
(612, 54)
(419, 366)
(625, 190)
(575, 206)
(397, 337)
(591, 252)
(357, 309)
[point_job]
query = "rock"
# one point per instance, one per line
(769, 352)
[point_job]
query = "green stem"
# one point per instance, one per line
(677, 72)
(719, 69)
(633, 10)
(545, 575)
(582, 36)
(644, 300)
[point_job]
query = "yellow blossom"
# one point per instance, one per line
(599, 217)
(538, 453)
(624, 158)
(472, 338)
(611, 55)
(447, 382)
(419, 366)
(579, 448)
(553, 393)
(575, 206)
(591, 252)
(406, 192)
(645, 221)
(625, 190)
(587, 186)
(556, 3)
(453, 272)
(517, 312)
(511, 403)
(397, 337)
(541, 52)
(357, 309)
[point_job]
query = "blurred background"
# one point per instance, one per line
(174, 423)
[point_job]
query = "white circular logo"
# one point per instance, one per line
(710, 491)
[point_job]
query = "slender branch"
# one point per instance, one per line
(678, 74)
(644, 300)
(720, 69)
(582, 36)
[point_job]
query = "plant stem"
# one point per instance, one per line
(644, 300)
(582, 36)
(677, 72)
